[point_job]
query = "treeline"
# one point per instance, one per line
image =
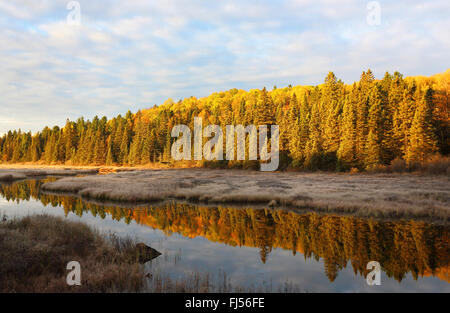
(332, 126)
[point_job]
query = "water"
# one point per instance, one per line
(261, 250)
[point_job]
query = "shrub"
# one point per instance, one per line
(398, 166)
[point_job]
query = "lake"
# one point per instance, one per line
(259, 249)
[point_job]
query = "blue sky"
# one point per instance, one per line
(134, 54)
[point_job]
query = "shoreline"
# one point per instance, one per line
(36, 250)
(368, 195)
(406, 195)
(258, 206)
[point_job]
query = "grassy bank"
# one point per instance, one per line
(434, 165)
(376, 195)
(35, 250)
(11, 174)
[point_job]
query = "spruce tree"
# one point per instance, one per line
(422, 139)
(347, 148)
(372, 153)
(264, 107)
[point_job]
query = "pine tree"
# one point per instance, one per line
(123, 155)
(373, 150)
(35, 149)
(69, 141)
(166, 157)
(287, 123)
(109, 155)
(346, 154)
(332, 111)
(422, 139)
(99, 156)
(295, 147)
(264, 107)
(404, 116)
(314, 145)
(362, 108)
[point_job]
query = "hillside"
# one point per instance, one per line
(332, 126)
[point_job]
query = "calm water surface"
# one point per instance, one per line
(263, 249)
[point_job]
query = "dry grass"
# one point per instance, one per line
(196, 282)
(35, 250)
(7, 177)
(377, 195)
(15, 173)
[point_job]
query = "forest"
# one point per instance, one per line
(332, 126)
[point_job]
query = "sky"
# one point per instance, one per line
(60, 59)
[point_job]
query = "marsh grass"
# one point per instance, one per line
(35, 250)
(384, 195)
(8, 175)
(196, 282)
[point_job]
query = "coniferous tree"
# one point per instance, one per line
(264, 109)
(346, 154)
(373, 149)
(422, 139)
(331, 106)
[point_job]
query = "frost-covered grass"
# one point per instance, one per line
(377, 195)
(35, 250)
(14, 174)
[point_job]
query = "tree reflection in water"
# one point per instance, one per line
(401, 247)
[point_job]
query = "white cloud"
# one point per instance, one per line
(125, 56)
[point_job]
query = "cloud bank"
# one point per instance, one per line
(134, 54)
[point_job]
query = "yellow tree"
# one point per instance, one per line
(347, 148)
(422, 139)
(372, 153)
